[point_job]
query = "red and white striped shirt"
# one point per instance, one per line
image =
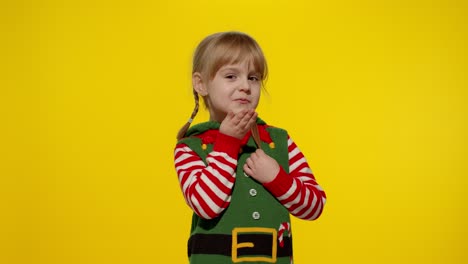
(207, 188)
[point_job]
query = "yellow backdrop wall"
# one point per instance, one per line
(92, 94)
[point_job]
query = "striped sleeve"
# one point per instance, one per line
(207, 187)
(298, 191)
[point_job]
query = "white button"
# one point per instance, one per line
(256, 215)
(253, 192)
(246, 175)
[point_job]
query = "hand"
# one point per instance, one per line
(261, 167)
(237, 125)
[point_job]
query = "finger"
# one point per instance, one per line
(246, 122)
(254, 116)
(247, 170)
(251, 115)
(257, 155)
(249, 162)
(260, 152)
(252, 120)
(253, 157)
(239, 116)
(229, 116)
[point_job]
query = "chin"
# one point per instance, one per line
(240, 108)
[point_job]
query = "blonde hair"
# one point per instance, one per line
(221, 49)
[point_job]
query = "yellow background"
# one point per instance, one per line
(92, 94)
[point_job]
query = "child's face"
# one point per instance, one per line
(234, 87)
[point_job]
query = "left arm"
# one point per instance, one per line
(298, 191)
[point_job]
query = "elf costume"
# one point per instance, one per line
(237, 219)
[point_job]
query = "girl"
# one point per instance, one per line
(241, 177)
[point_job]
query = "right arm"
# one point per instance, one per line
(207, 187)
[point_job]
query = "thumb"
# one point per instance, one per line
(260, 152)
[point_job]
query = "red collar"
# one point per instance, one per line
(209, 136)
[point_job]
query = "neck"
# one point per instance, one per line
(217, 117)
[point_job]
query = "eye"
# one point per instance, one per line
(254, 78)
(230, 76)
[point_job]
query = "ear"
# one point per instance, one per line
(198, 84)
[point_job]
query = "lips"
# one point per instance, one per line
(242, 100)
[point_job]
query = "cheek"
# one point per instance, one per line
(256, 102)
(256, 93)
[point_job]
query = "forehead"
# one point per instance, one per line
(246, 64)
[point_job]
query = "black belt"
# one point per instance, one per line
(221, 244)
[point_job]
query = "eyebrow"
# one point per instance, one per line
(237, 69)
(230, 68)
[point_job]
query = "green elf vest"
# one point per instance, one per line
(248, 229)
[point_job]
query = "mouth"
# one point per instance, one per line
(242, 101)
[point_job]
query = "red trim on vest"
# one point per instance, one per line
(209, 137)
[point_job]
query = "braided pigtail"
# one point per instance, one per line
(184, 129)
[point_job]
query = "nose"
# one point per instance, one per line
(244, 86)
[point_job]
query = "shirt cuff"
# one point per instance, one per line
(227, 144)
(280, 184)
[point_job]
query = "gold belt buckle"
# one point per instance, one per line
(236, 245)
